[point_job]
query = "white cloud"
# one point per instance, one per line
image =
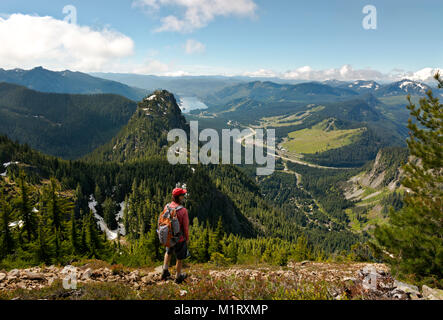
(198, 13)
(426, 74)
(346, 73)
(262, 73)
(193, 46)
(28, 41)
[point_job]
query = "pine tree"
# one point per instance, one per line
(216, 238)
(74, 236)
(92, 237)
(109, 213)
(153, 244)
(201, 250)
(412, 242)
(43, 251)
(232, 251)
(6, 239)
(80, 203)
(83, 241)
(25, 209)
(100, 198)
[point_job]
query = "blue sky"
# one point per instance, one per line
(286, 38)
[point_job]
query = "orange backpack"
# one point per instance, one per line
(168, 230)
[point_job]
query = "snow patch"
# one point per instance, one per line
(110, 234)
(14, 224)
(151, 97)
(6, 165)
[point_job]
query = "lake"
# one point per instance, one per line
(188, 104)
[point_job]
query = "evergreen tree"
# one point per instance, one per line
(25, 209)
(153, 244)
(412, 242)
(100, 198)
(109, 213)
(6, 239)
(216, 238)
(232, 251)
(92, 237)
(83, 241)
(74, 236)
(43, 250)
(202, 246)
(80, 202)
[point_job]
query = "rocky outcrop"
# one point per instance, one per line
(344, 281)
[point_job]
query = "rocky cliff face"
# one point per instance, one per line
(384, 172)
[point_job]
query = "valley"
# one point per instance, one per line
(93, 166)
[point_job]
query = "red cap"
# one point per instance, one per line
(178, 192)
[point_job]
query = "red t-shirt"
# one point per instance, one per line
(183, 219)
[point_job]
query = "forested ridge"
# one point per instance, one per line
(64, 125)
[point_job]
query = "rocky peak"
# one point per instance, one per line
(159, 103)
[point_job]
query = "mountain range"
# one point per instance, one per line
(44, 80)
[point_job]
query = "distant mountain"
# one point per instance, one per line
(404, 87)
(270, 91)
(145, 135)
(68, 82)
(64, 125)
(199, 86)
(362, 86)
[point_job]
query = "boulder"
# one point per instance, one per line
(33, 276)
(406, 288)
(86, 274)
(2, 276)
(159, 269)
(14, 273)
(432, 294)
(134, 276)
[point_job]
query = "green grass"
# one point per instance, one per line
(319, 139)
(288, 120)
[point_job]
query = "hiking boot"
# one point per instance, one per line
(166, 274)
(181, 278)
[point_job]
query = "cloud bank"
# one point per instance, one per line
(345, 73)
(28, 41)
(197, 13)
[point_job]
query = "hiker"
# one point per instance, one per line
(176, 241)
